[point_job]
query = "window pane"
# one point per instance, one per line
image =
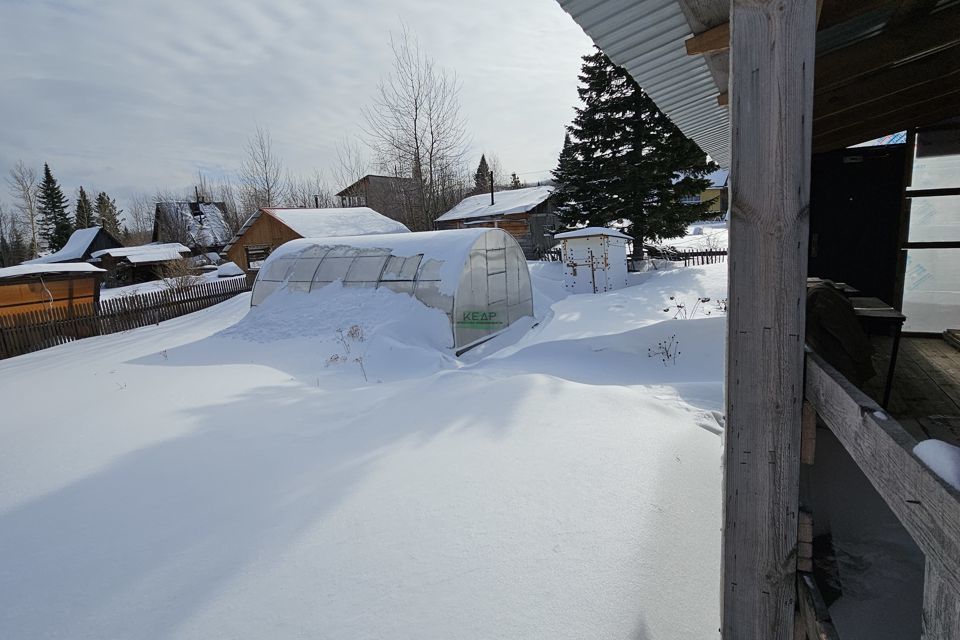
(935, 219)
(333, 269)
(366, 269)
(931, 292)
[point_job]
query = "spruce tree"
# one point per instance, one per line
(52, 205)
(481, 178)
(515, 181)
(108, 216)
(623, 159)
(83, 211)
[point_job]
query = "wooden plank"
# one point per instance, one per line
(928, 508)
(905, 41)
(771, 104)
(941, 606)
(813, 613)
(715, 39)
(808, 433)
(805, 542)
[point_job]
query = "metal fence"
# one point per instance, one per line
(34, 330)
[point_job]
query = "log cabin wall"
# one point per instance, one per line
(266, 231)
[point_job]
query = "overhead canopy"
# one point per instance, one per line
(882, 65)
(145, 253)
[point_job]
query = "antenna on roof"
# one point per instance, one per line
(316, 201)
(491, 188)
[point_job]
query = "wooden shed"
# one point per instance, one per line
(269, 228)
(36, 287)
(762, 85)
(526, 214)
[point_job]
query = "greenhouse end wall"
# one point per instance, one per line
(477, 277)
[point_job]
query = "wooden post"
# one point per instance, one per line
(771, 104)
(941, 606)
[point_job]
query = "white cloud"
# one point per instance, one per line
(129, 95)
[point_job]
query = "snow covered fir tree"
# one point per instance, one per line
(56, 226)
(624, 160)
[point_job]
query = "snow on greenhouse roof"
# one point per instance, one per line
(504, 203)
(31, 269)
(76, 246)
(591, 231)
(145, 253)
(326, 223)
(452, 248)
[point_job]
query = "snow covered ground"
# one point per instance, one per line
(701, 236)
(259, 474)
(152, 285)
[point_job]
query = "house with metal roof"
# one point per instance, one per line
(80, 246)
(271, 227)
(527, 214)
(202, 226)
(775, 91)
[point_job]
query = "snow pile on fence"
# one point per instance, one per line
(229, 480)
(943, 459)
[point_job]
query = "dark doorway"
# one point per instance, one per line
(856, 197)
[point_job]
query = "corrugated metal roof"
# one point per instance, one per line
(646, 37)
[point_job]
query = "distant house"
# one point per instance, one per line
(526, 214)
(82, 243)
(142, 263)
(201, 226)
(269, 228)
(39, 287)
(387, 195)
(716, 194)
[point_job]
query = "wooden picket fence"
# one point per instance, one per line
(689, 257)
(35, 330)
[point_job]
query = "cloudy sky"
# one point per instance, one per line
(132, 95)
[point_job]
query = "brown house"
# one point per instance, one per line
(526, 214)
(387, 195)
(37, 287)
(267, 229)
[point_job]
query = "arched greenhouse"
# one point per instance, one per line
(478, 277)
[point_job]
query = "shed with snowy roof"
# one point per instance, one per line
(140, 263)
(79, 248)
(269, 228)
(595, 259)
(527, 214)
(477, 277)
(39, 287)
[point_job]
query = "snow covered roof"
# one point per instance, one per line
(31, 269)
(145, 253)
(718, 179)
(504, 203)
(201, 224)
(332, 222)
(75, 248)
(586, 232)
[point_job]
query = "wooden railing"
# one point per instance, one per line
(928, 507)
(35, 330)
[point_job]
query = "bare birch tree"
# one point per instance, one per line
(416, 130)
(140, 214)
(261, 171)
(351, 164)
(22, 183)
(308, 191)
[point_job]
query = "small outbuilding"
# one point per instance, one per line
(37, 287)
(269, 228)
(527, 214)
(141, 263)
(79, 248)
(595, 259)
(478, 277)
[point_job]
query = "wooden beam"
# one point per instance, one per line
(931, 94)
(941, 606)
(938, 67)
(711, 40)
(813, 613)
(900, 43)
(808, 434)
(928, 508)
(771, 108)
(926, 113)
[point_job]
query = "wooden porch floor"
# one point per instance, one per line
(926, 386)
